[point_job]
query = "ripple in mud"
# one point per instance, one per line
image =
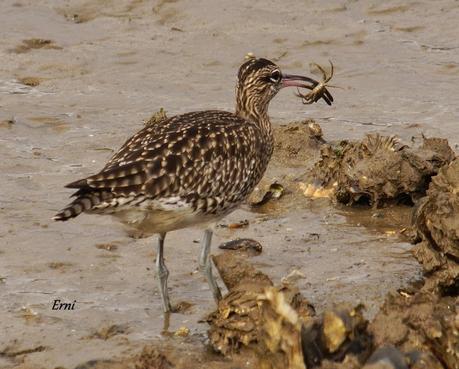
(30, 81)
(34, 43)
(109, 331)
(56, 124)
(60, 265)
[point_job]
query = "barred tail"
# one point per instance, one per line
(84, 202)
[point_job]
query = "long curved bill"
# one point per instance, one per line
(292, 80)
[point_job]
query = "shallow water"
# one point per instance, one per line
(397, 64)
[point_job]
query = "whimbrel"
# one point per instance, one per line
(190, 169)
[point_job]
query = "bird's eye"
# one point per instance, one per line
(275, 76)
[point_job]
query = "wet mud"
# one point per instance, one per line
(297, 143)
(80, 77)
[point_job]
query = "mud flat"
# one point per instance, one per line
(79, 77)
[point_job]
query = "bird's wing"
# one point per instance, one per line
(193, 156)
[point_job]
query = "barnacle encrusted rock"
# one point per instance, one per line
(238, 319)
(378, 169)
(436, 221)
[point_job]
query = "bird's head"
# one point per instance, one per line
(259, 80)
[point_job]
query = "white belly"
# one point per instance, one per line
(145, 221)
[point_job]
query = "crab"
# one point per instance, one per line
(318, 89)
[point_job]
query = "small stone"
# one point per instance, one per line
(182, 332)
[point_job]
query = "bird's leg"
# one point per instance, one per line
(162, 273)
(205, 264)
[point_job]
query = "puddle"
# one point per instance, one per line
(121, 61)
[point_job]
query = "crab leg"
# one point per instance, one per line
(319, 89)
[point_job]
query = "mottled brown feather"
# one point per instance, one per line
(204, 162)
(209, 159)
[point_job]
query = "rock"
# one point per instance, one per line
(421, 321)
(239, 318)
(386, 357)
(379, 170)
(151, 358)
(338, 333)
(245, 246)
(436, 221)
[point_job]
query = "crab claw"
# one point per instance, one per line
(291, 80)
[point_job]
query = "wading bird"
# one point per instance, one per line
(191, 169)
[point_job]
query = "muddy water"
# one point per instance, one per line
(109, 66)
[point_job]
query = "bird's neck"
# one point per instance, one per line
(255, 112)
(261, 120)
